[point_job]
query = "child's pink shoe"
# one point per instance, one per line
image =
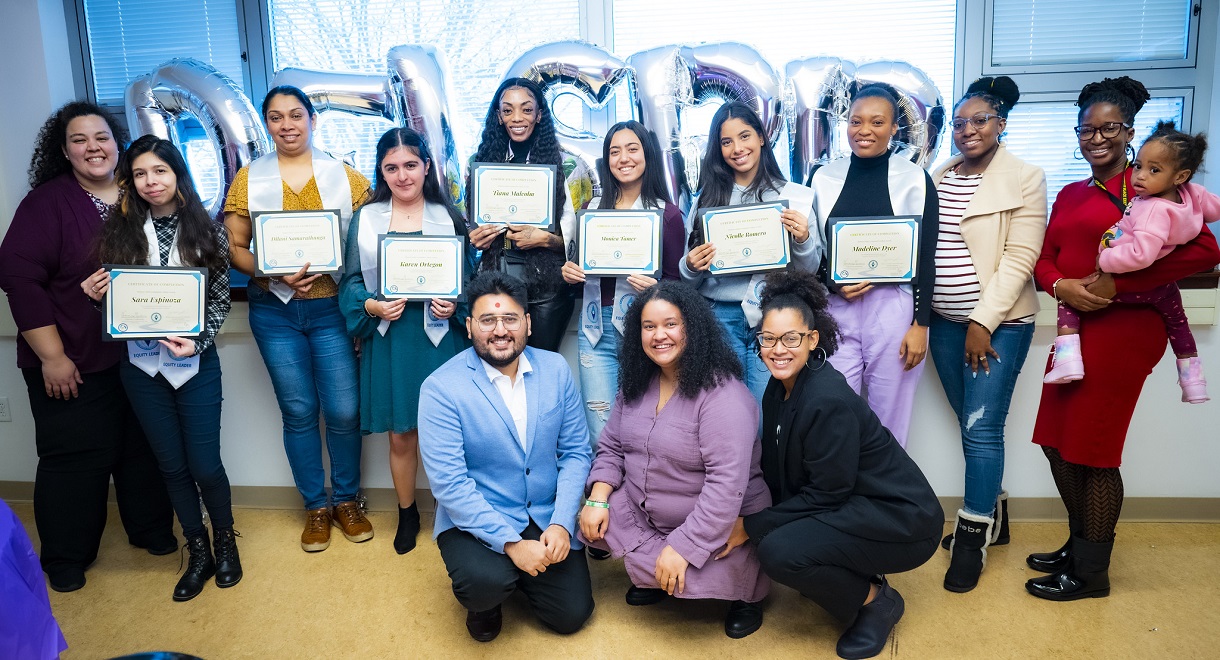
(1190, 377)
(1067, 365)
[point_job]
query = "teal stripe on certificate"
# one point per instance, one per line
(749, 238)
(284, 241)
(420, 267)
(511, 194)
(876, 249)
(154, 302)
(617, 242)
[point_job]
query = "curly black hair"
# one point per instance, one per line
(1125, 92)
(801, 291)
(706, 361)
(49, 160)
(1187, 148)
(1001, 93)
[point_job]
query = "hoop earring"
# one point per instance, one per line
(1131, 151)
(1078, 155)
(821, 360)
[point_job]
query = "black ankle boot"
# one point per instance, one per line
(1087, 575)
(199, 569)
(408, 529)
(228, 564)
(867, 635)
(1051, 562)
(968, 553)
(1000, 532)
(742, 619)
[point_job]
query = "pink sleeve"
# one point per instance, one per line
(1145, 232)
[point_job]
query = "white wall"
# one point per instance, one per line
(1171, 449)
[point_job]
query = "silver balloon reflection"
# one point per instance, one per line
(921, 109)
(361, 94)
(158, 100)
(588, 72)
(816, 105)
(417, 85)
(661, 78)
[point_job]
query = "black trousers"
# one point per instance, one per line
(82, 443)
(549, 321)
(562, 597)
(833, 568)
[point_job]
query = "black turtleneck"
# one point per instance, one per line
(521, 150)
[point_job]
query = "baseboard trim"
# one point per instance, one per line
(1020, 509)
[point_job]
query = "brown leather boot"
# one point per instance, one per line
(316, 536)
(348, 517)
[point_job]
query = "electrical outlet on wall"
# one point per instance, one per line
(6, 413)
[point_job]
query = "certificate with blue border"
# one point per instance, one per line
(153, 302)
(617, 242)
(283, 241)
(749, 238)
(882, 249)
(420, 267)
(511, 194)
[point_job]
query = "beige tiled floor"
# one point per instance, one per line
(365, 601)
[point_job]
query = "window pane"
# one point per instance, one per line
(1038, 32)
(127, 38)
(479, 38)
(1041, 133)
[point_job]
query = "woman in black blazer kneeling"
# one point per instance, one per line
(850, 505)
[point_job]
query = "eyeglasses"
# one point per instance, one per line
(488, 323)
(1108, 130)
(978, 121)
(791, 339)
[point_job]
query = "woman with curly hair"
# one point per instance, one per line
(521, 129)
(677, 462)
(71, 375)
(850, 505)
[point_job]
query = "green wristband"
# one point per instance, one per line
(599, 505)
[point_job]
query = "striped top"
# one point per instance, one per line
(957, 286)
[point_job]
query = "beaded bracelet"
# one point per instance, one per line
(597, 504)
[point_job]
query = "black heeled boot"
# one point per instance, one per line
(408, 529)
(199, 569)
(228, 563)
(1087, 575)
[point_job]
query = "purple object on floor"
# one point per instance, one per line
(27, 627)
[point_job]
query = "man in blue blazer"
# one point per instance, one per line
(503, 438)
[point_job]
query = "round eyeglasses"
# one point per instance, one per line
(791, 339)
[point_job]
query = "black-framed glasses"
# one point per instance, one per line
(488, 323)
(791, 339)
(1108, 130)
(979, 121)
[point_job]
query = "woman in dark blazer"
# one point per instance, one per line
(850, 505)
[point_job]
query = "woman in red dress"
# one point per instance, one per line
(1081, 426)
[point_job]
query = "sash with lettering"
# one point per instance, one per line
(591, 306)
(148, 355)
(374, 220)
(266, 193)
(800, 199)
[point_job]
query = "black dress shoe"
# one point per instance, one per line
(641, 596)
(597, 553)
(228, 562)
(199, 569)
(67, 580)
(484, 626)
(867, 635)
(743, 618)
(1051, 562)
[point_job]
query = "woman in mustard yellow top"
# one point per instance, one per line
(296, 319)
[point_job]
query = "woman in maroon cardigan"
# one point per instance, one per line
(1082, 425)
(84, 429)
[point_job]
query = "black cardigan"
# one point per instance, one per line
(827, 456)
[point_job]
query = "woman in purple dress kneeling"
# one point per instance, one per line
(678, 461)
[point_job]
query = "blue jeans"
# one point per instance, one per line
(183, 429)
(599, 373)
(313, 368)
(980, 402)
(741, 339)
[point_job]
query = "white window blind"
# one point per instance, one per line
(479, 39)
(129, 38)
(1026, 32)
(1041, 133)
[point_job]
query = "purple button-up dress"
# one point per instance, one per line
(681, 477)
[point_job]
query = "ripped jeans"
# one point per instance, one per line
(980, 402)
(599, 374)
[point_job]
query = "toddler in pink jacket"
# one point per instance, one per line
(1168, 211)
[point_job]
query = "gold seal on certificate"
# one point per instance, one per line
(619, 242)
(150, 302)
(749, 239)
(420, 267)
(875, 249)
(286, 240)
(508, 194)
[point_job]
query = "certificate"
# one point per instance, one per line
(151, 302)
(880, 249)
(286, 240)
(614, 242)
(507, 194)
(420, 267)
(748, 239)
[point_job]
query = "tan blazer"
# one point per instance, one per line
(1003, 226)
